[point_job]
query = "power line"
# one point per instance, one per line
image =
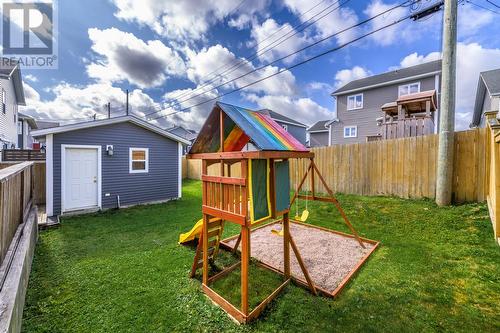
(297, 29)
(482, 7)
(492, 3)
(292, 66)
(289, 55)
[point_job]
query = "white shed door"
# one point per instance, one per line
(80, 179)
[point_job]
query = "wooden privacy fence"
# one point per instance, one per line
(38, 175)
(493, 176)
(19, 155)
(16, 196)
(403, 167)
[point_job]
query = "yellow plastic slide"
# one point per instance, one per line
(192, 234)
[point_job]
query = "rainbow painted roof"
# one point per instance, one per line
(242, 126)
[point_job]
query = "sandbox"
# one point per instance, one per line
(331, 257)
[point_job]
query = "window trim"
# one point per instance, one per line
(351, 136)
(130, 150)
(408, 85)
(355, 108)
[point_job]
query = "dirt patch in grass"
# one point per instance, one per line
(329, 257)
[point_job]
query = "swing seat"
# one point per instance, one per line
(277, 232)
(303, 217)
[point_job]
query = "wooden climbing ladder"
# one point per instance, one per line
(215, 229)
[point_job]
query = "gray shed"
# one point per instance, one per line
(105, 163)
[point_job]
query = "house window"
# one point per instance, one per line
(355, 102)
(350, 131)
(407, 89)
(4, 101)
(285, 127)
(138, 160)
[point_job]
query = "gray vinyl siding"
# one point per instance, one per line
(160, 183)
(319, 139)
(365, 118)
(297, 132)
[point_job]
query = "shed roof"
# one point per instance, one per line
(319, 126)
(418, 71)
(242, 126)
(110, 121)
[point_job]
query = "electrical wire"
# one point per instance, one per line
(292, 66)
(294, 30)
(480, 6)
(289, 55)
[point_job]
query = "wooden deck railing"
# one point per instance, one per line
(19, 155)
(16, 197)
(407, 127)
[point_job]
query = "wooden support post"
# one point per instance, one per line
(286, 245)
(302, 266)
(272, 190)
(235, 248)
(245, 261)
(204, 240)
(312, 181)
(337, 204)
(300, 184)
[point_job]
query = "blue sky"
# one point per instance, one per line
(163, 50)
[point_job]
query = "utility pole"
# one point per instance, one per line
(126, 104)
(109, 110)
(447, 105)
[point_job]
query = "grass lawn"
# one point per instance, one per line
(437, 269)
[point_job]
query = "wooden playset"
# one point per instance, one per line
(246, 180)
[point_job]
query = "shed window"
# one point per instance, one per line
(138, 160)
(408, 89)
(355, 102)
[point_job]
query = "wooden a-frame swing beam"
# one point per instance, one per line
(313, 168)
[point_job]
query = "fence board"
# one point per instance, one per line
(403, 167)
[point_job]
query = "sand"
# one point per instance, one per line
(329, 257)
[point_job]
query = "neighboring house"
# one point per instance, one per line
(112, 162)
(295, 128)
(11, 96)
(395, 104)
(25, 124)
(319, 134)
(487, 96)
(187, 134)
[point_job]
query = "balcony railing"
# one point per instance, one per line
(406, 127)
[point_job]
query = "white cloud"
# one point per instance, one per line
(472, 59)
(389, 35)
(271, 46)
(304, 110)
(184, 20)
(336, 21)
(31, 78)
(345, 76)
(194, 117)
(123, 56)
(72, 102)
(201, 64)
(472, 20)
(416, 59)
(322, 86)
